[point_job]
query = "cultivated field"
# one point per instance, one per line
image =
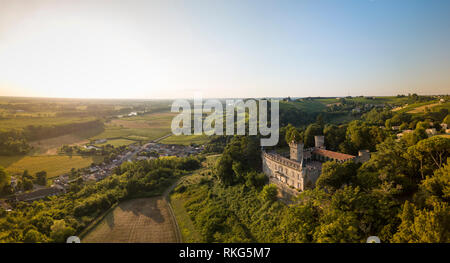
(422, 108)
(186, 139)
(54, 165)
(140, 128)
(22, 122)
(51, 146)
(117, 142)
(143, 220)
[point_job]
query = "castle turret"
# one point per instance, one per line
(363, 156)
(296, 150)
(319, 141)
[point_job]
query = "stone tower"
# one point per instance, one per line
(296, 150)
(319, 141)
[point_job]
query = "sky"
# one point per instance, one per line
(221, 49)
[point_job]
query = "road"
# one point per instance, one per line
(172, 214)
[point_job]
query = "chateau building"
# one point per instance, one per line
(301, 169)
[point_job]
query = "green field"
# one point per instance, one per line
(306, 105)
(412, 107)
(186, 139)
(117, 142)
(141, 128)
(51, 146)
(54, 165)
(40, 121)
(367, 100)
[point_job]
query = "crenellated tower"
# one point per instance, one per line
(296, 151)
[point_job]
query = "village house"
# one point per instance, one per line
(100, 141)
(431, 132)
(400, 135)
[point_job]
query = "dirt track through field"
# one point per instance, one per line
(144, 220)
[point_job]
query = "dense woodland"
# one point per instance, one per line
(392, 196)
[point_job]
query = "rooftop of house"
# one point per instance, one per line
(332, 155)
(40, 193)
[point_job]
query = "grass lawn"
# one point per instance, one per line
(54, 165)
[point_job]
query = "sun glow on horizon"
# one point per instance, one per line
(172, 49)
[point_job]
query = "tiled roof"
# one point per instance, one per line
(332, 155)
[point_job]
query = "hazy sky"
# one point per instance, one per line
(167, 49)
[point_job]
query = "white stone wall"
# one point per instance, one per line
(289, 176)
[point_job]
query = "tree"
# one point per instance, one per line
(255, 179)
(269, 193)
(4, 178)
(414, 137)
(33, 236)
(311, 131)
(292, 134)
(41, 178)
(377, 117)
(435, 188)
(224, 170)
(362, 136)
(26, 175)
(241, 155)
(334, 136)
(27, 184)
(300, 222)
(447, 120)
(430, 154)
(424, 226)
(334, 175)
(60, 232)
(389, 164)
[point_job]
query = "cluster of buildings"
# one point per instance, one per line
(301, 169)
(171, 150)
(430, 131)
(101, 171)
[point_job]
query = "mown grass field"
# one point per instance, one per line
(54, 165)
(140, 128)
(143, 220)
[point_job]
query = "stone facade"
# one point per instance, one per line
(303, 168)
